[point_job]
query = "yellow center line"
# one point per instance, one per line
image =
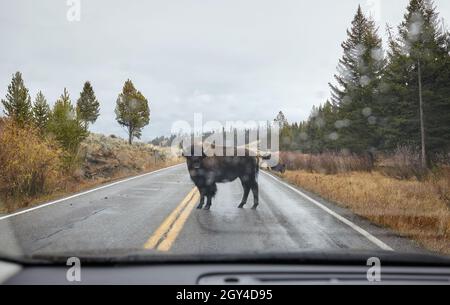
(166, 234)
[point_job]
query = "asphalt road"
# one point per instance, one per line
(156, 213)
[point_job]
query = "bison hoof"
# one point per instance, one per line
(207, 208)
(241, 206)
(199, 207)
(254, 207)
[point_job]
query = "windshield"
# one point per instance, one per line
(199, 128)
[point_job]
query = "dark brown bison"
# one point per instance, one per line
(207, 171)
(280, 168)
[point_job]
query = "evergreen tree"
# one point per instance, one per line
(281, 120)
(330, 128)
(41, 112)
(132, 111)
(376, 101)
(314, 131)
(67, 129)
(355, 97)
(88, 107)
(18, 101)
(418, 69)
(300, 136)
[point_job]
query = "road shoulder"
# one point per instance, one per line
(394, 240)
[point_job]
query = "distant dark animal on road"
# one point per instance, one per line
(280, 167)
(207, 171)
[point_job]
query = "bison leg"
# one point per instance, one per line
(210, 193)
(202, 199)
(255, 191)
(246, 192)
(208, 203)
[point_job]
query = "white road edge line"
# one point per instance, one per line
(87, 192)
(355, 227)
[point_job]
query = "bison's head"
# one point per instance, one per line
(194, 162)
(194, 157)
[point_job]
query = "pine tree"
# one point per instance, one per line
(354, 97)
(88, 107)
(331, 139)
(132, 111)
(41, 112)
(418, 70)
(18, 101)
(67, 129)
(300, 137)
(315, 132)
(281, 120)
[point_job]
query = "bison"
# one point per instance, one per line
(206, 171)
(280, 168)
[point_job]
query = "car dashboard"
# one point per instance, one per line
(222, 274)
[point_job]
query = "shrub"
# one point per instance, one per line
(404, 163)
(29, 164)
(326, 163)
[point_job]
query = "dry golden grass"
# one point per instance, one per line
(72, 186)
(30, 165)
(418, 210)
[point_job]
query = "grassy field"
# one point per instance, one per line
(416, 209)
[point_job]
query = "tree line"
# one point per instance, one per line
(384, 99)
(68, 123)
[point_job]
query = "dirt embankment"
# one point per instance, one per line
(105, 157)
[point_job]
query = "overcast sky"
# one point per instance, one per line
(229, 60)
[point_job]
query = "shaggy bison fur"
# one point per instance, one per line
(207, 171)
